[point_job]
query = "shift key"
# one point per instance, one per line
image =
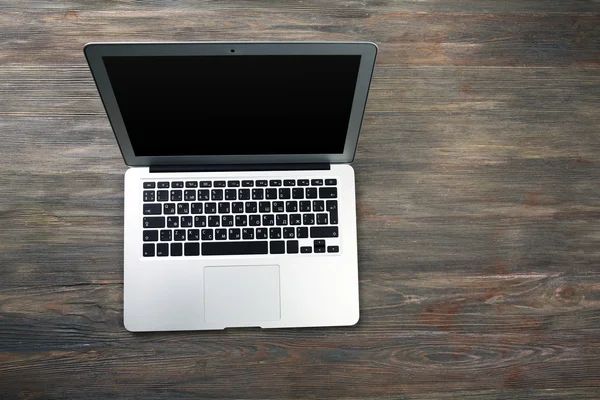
(323, 231)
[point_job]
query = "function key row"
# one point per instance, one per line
(240, 194)
(237, 183)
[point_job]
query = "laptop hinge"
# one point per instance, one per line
(240, 167)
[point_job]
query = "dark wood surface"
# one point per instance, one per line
(478, 180)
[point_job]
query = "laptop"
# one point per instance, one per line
(240, 199)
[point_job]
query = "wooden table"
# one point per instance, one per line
(478, 179)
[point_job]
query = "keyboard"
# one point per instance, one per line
(183, 218)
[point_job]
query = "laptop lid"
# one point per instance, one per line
(218, 103)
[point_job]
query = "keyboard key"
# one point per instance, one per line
(291, 206)
(284, 193)
(331, 205)
(303, 182)
(162, 195)
(149, 185)
(210, 208)
(248, 233)
(224, 208)
(193, 235)
(247, 183)
(172, 222)
(205, 184)
(214, 220)
(319, 243)
(162, 185)
(254, 220)
(275, 182)
(235, 234)
(176, 249)
(234, 248)
(216, 194)
(261, 233)
(165, 235)
(297, 193)
(316, 182)
(203, 195)
(191, 184)
(237, 207)
(162, 249)
(318, 205)
(148, 250)
(305, 249)
(199, 221)
(177, 184)
(295, 219)
(268, 220)
(251, 207)
(230, 194)
(221, 234)
(281, 219)
(152, 209)
(244, 194)
(241, 220)
(153, 222)
(292, 246)
(169, 208)
(322, 219)
(323, 231)
(150, 236)
(330, 182)
(289, 233)
(258, 194)
(192, 249)
(333, 217)
(289, 182)
(227, 220)
(308, 219)
(148, 195)
(179, 235)
(277, 247)
(264, 207)
(305, 206)
(262, 183)
(183, 208)
(196, 208)
(233, 183)
(271, 194)
(219, 183)
(311, 193)
(278, 207)
(207, 234)
(333, 249)
(320, 249)
(328, 192)
(189, 195)
(176, 195)
(302, 232)
(186, 222)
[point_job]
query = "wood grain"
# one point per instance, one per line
(478, 187)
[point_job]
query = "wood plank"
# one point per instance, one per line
(405, 39)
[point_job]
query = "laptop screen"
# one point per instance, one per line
(234, 105)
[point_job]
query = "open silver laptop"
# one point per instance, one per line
(240, 201)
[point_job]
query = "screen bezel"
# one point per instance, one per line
(368, 51)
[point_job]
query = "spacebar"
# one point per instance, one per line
(234, 248)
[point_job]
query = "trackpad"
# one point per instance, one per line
(237, 295)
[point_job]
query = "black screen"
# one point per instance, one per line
(234, 105)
